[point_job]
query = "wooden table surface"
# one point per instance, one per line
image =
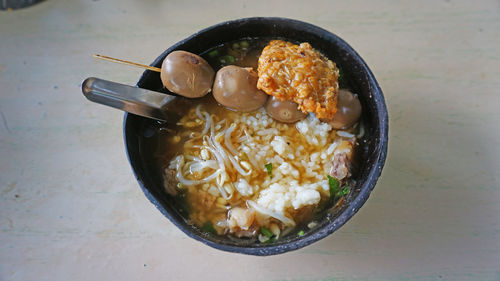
(70, 208)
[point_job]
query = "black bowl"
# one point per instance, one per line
(355, 72)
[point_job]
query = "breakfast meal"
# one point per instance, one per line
(269, 150)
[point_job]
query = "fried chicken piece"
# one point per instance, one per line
(301, 74)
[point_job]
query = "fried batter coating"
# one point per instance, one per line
(301, 74)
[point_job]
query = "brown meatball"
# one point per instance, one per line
(187, 74)
(348, 111)
(236, 88)
(284, 111)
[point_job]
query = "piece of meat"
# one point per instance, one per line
(240, 221)
(341, 166)
(170, 181)
(342, 160)
(301, 74)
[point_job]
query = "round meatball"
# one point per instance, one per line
(236, 88)
(284, 111)
(348, 111)
(187, 74)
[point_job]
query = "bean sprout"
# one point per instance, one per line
(208, 122)
(198, 113)
(227, 139)
(264, 211)
(238, 167)
(198, 166)
(345, 134)
(187, 182)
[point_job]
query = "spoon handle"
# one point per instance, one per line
(127, 98)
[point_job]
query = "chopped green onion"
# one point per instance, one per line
(301, 233)
(266, 232)
(341, 73)
(213, 53)
(244, 44)
(333, 184)
(345, 190)
(236, 46)
(269, 168)
(227, 59)
(179, 185)
(268, 240)
(208, 227)
(271, 240)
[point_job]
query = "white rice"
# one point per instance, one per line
(300, 154)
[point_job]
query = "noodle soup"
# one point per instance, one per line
(246, 175)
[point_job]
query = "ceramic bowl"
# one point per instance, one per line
(355, 73)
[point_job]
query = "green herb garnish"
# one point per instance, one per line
(269, 168)
(227, 59)
(270, 240)
(208, 227)
(333, 184)
(266, 232)
(301, 233)
(213, 53)
(244, 44)
(345, 191)
(179, 185)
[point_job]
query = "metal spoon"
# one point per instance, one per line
(135, 100)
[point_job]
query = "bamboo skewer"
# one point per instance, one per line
(152, 68)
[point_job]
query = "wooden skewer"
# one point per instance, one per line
(152, 68)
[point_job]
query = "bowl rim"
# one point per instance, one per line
(357, 202)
